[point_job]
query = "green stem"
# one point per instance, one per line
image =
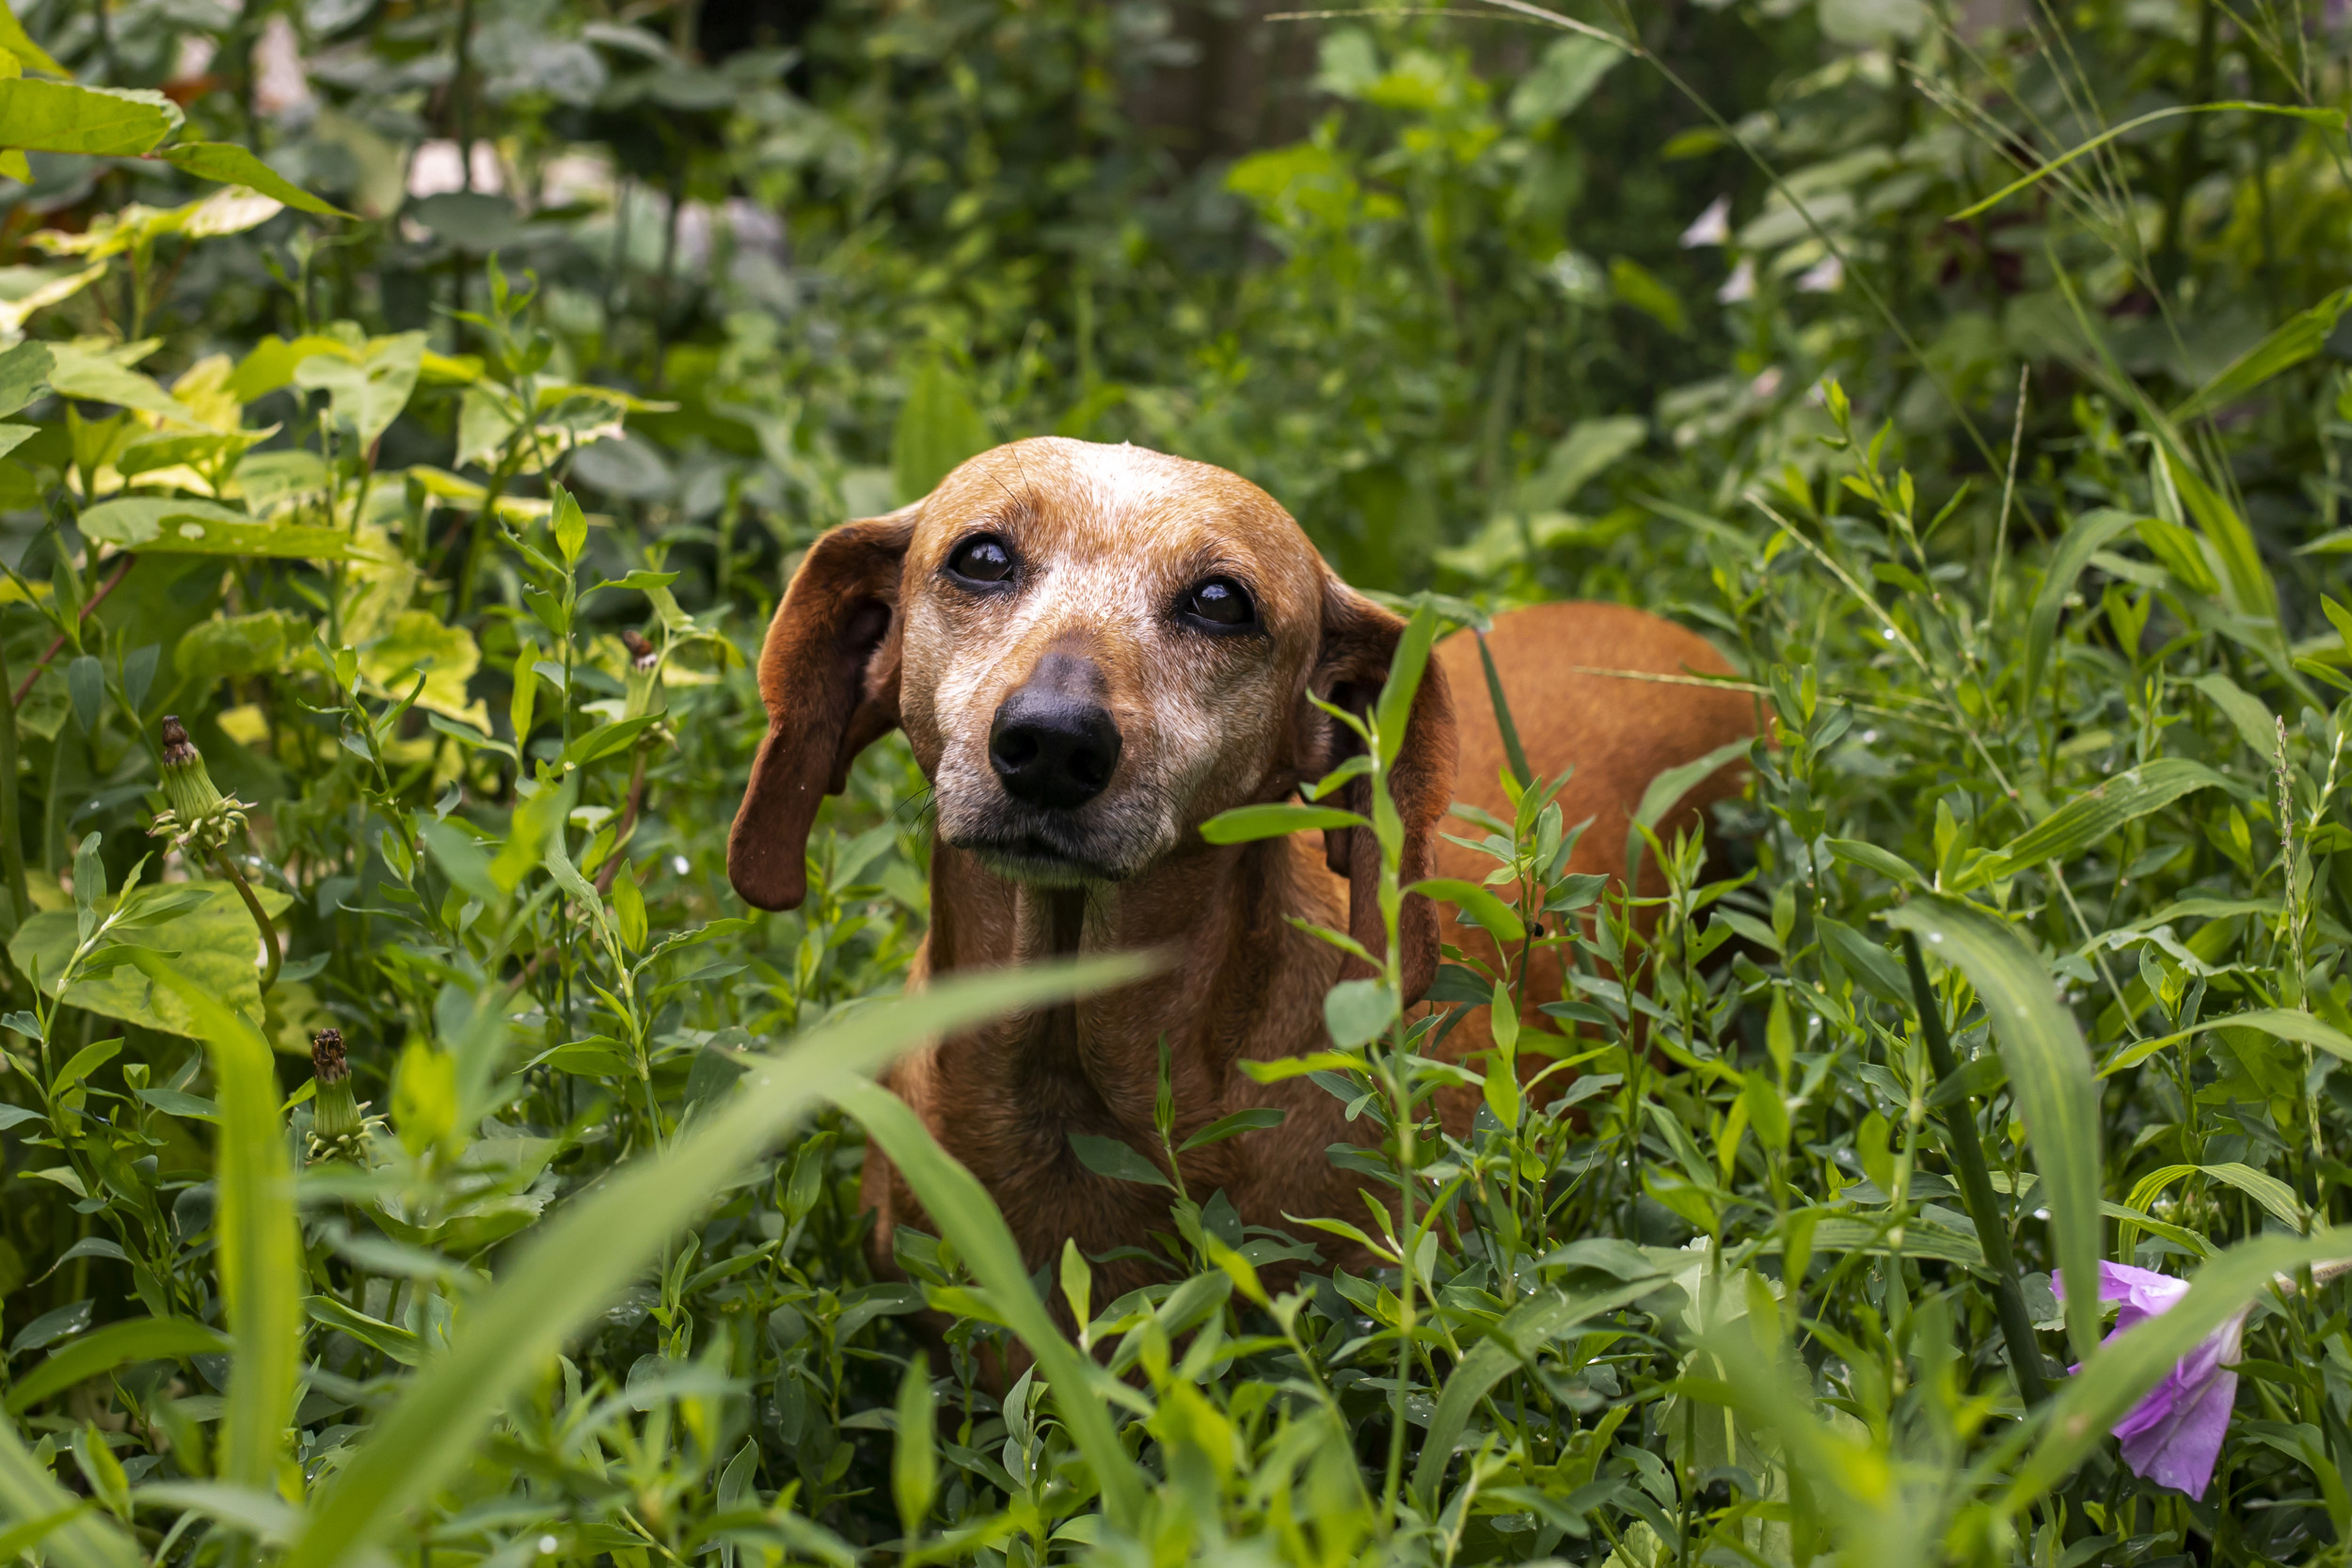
(12, 844)
(273, 958)
(1975, 1187)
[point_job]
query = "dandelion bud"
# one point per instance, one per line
(336, 1128)
(194, 797)
(641, 685)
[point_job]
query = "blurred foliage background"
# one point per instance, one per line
(428, 402)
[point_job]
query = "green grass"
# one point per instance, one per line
(1997, 437)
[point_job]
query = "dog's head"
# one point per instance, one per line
(1094, 650)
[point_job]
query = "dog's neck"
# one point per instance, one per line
(1219, 915)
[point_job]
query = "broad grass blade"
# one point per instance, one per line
(29, 1492)
(582, 1259)
(2286, 1024)
(2090, 818)
(115, 1345)
(2090, 534)
(260, 1254)
(1522, 1330)
(2049, 1070)
(2301, 336)
(2091, 1404)
(961, 1208)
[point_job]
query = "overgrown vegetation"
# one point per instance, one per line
(426, 405)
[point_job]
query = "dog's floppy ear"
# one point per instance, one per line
(829, 675)
(1359, 638)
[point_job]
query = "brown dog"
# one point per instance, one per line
(1094, 650)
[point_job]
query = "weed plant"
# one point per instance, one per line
(414, 1153)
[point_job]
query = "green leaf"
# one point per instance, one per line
(167, 524)
(1355, 1011)
(572, 1267)
(2296, 339)
(1117, 1160)
(2083, 821)
(1255, 1118)
(1245, 823)
(2281, 1023)
(216, 943)
(1393, 712)
(65, 116)
(1871, 965)
(960, 1207)
(938, 428)
(1635, 285)
(117, 1344)
(1871, 858)
(232, 165)
(99, 377)
(2107, 1389)
(1564, 76)
(1524, 1330)
(2254, 721)
(76, 1538)
(1666, 791)
(915, 1459)
(1497, 917)
(2049, 1072)
(260, 1253)
(2090, 533)
(23, 372)
(2250, 590)
(17, 41)
(569, 525)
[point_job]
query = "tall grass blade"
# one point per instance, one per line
(115, 1345)
(2316, 116)
(583, 1258)
(959, 1207)
(2049, 1072)
(2301, 336)
(260, 1253)
(2088, 818)
(28, 1493)
(2090, 534)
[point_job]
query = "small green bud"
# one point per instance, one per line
(337, 1129)
(642, 687)
(199, 817)
(194, 797)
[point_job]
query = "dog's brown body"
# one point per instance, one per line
(1109, 639)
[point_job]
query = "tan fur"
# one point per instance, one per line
(1111, 538)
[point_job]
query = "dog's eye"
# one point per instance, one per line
(981, 559)
(1220, 604)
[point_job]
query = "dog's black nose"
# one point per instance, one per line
(1053, 742)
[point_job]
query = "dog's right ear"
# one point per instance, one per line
(829, 675)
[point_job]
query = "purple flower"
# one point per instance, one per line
(2173, 1435)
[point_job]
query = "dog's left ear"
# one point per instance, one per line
(1360, 639)
(829, 675)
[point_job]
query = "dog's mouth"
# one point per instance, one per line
(1043, 849)
(1034, 858)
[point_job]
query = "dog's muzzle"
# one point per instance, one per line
(1052, 744)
